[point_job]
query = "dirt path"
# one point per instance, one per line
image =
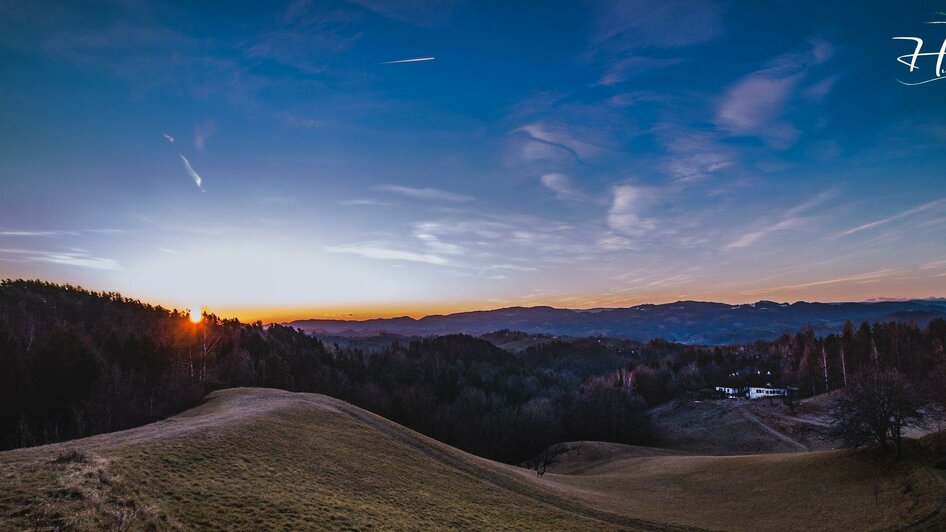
(780, 435)
(804, 420)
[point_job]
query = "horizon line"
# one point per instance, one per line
(418, 317)
(270, 314)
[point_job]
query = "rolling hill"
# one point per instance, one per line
(262, 458)
(693, 322)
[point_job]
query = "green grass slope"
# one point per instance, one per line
(259, 458)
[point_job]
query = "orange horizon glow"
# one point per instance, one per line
(284, 315)
(272, 313)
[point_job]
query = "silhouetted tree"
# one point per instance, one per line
(876, 407)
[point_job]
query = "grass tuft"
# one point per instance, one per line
(70, 456)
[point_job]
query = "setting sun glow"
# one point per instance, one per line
(196, 315)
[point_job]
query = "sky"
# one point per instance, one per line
(277, 161)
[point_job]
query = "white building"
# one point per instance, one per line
(757, 392)
(731, 392)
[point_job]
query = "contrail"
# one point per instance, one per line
(169, 137)
(190, 170)
(414, 60)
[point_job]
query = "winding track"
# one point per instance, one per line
(780, 435)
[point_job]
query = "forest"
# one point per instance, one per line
(75, 363)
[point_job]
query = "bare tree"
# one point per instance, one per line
(542, 462)
(876, 407)
(847, 339)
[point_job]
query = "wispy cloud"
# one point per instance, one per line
(633, 24)
(32, 234)
(422, 13)
(933, 265)
(202, 132)
(365, 203)
(556, 137)
(429, 194)
(425, 233)
(38, 233)
(411, 60)
(626, 69)
(372, 251)
(77, 258)
(562, 186)
(511, 267)
(790, 219)
(858, 278)
(190, 171)
(747, 239)
(612, 242)
(693, 155)
(277, 200)
(934, 221)
(80, 260)
(756, 104)
(624, 215)
(909, 212)
(169, 138)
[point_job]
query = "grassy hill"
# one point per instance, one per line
(261, 458)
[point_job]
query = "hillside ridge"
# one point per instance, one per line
(256, 457)
(692, 322)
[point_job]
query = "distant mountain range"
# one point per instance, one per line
(692, 322)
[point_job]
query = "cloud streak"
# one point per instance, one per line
(428, 194)
(895, 217)
(789, 220)
(556, 137)
(365, 203)
(375, 252)
(38, 233)
(190, 171)
(412, 60)
(633, 24)
(562, 186)
(77, 258)
(693, 156)
(861, 277)
(755, 105)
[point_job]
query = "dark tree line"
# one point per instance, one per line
(661, 371)
(75, 363)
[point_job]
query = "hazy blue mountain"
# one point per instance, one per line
(693, 322)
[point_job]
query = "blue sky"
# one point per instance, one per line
(577, 154)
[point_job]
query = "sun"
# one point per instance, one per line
(196, 315)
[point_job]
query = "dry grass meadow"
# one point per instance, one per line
(259, 458)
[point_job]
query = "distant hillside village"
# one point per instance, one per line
(756, 385)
